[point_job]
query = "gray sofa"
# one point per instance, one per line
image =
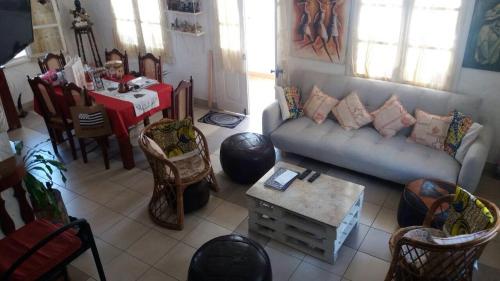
(365, 150)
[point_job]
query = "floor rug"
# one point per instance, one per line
(221, 119)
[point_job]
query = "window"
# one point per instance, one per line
(408, 41)
(139, 25)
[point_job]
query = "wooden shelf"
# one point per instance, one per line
(184, 13)
(197, 34)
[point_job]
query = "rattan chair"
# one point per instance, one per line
(418, 260)
(166, 207)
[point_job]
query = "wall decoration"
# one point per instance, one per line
(320, 29)
(483, 44)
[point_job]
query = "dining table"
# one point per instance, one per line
(122, 114)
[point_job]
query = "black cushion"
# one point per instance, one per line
(246, 157)
(230, 258)
(196, 196)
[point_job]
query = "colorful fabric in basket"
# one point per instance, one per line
(459, 126)
(174, 138)
(467, 215)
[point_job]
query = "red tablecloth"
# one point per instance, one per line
(121, 113)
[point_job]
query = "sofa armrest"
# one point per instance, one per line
(271, 118)
(475, 159)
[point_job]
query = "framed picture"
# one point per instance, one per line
(483, 44)
(320, 29)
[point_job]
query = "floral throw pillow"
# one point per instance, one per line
(430, 130)
(290, 102)
(391, 117)
(351, 113)
(459, 126)
(318, 105)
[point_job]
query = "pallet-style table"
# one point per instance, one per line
(314, 218)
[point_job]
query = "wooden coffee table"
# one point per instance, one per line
(314, 218)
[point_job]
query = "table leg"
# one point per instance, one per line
(126, 153)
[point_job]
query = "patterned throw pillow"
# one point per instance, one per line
(318, 105)
(351, 113)
(174, 138)
(430, 130)
(467, 215)
(391, 117)
(459, 126)
(290, 102)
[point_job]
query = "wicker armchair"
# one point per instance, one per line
(418, 260)
(171, 178)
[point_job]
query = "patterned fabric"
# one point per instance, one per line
(416, 257)
(458, 128)
(318, 105)
(91, 119)
(190, 166)
(391, 117)
(175, 138)
(467, 215)
(290, 102)
(153, 146)
(351, 113)
(430, 130)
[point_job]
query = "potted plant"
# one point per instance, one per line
(41, 165)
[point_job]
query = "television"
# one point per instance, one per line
(16, 29)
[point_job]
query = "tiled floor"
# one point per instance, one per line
(132, 247)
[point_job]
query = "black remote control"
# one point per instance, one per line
(304, 174)
(314, 177)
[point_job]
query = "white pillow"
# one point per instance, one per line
(280, 96)
(469, 138)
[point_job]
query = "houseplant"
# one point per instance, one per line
(41, 166)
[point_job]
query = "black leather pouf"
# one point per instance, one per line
(246, 157)
(417, 198)
(228, 258)
(196, 196)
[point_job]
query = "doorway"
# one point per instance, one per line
(260, 48)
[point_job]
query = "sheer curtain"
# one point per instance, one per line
(139, 26)
(413, 42)
(227, 35)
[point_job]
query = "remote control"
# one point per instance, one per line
(304, 174)
(314, 177)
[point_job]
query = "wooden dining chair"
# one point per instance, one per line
(115, 54)
(52, 62)
(182, 101)
(75, 96)
(92, 122)
(56, 118)
(150, 67)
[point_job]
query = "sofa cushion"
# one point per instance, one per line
(318, 105)
(430, 129)
(391, 118)
(351, 113)
(457, 131)
(365, 151)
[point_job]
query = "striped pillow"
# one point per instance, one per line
(91, 119)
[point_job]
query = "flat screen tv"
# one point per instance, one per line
(16, 30)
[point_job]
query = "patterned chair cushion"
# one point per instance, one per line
(351, 113)
(175, 138)
(318, 105)
(430, 130)
(290, 102)
(191, 166)
(467, 215)
(457, 131)
(391, 117)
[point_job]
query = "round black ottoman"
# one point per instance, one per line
(230, 257)
(246, 157)
(417, 198)
(196, 196)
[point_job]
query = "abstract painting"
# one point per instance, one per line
(483, 45)
(320, 29)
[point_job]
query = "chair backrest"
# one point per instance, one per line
(413, 259)
(117, 55)
(150, 67)
(76, 96)
(90, 121)
(52, 62)
(45, 96)
(182, 100)
(175, 137)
